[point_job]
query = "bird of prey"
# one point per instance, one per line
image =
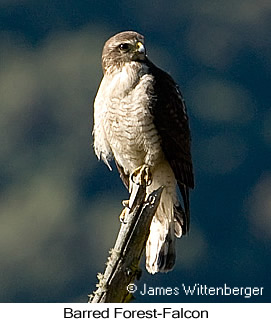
(140, 120)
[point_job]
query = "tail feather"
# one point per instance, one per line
(167, 254)
(171, 220)
(160, 247)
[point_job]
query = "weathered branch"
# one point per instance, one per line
(123, 264)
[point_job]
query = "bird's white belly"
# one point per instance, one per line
(127, 122)
(130, 133)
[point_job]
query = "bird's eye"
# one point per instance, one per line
(124, 47)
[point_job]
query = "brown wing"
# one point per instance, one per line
(171, 121)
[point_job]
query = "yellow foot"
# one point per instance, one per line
(125, 203)
(122, 216)
(142, 175)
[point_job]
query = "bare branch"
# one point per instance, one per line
(123, 264)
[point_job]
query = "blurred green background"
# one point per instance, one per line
(59, 206)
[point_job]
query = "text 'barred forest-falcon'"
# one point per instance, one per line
(140, 120)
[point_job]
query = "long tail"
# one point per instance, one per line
(160, 247)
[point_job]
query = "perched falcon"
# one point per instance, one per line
(140, 120)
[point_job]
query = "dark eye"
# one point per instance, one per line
(124, 46)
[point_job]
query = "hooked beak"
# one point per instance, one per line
(140, 48)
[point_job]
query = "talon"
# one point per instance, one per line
(125, 203)
(142, 175)
(123, 214)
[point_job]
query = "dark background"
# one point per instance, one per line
(59, 206)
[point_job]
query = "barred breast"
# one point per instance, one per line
(128, 122)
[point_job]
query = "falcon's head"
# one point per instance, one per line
(124, 47)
